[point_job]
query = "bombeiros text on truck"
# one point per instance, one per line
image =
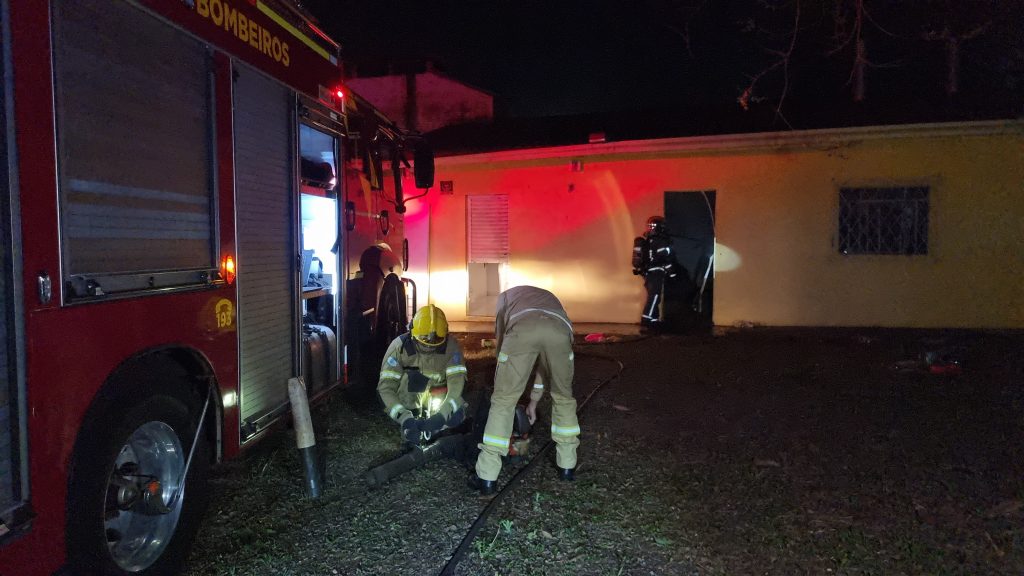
(193, 212)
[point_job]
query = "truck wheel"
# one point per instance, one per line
(392, 319)
(128, 512)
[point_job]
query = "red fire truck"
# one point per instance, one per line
(192, 212)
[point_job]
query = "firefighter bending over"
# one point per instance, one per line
(654, 260)
(422, 378)
(530, 326)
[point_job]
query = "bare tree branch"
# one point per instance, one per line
(689, 13)
(890, 64)
(783, 61)
(859, 70)
(953, 42)
(871, 19)
(786, 59)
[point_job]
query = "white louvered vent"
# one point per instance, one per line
(488, 229)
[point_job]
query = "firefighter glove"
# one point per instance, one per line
(531, 411)
(434, 424)
(456, 417)
(411, 429)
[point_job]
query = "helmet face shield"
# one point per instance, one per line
(656, 224)
(431, 339)
(425, 348)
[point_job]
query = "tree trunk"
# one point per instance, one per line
(953, 64)
(859, 66)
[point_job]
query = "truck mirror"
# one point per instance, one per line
(374, 168)
(396, 172)
(350, 215)
(424, 166)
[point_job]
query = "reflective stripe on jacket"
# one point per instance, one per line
(443, 366)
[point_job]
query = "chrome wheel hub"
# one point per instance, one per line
(143, 504)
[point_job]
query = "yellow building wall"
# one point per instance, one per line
(776, 226)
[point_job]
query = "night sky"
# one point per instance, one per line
(572, 57)
(537, 58)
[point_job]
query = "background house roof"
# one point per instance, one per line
(515, 133)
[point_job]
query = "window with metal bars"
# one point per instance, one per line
(891, 220)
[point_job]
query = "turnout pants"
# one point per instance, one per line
(536, 338)
(654, 282)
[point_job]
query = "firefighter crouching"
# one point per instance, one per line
(422, 378)
(530, 326)
(654, 260)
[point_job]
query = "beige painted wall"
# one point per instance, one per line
(777, 203)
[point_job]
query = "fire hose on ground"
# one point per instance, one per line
(478, 524)
(444, 447)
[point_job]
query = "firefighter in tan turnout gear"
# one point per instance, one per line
(422, 378)
(531, 326)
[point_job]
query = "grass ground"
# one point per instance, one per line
(749, 452)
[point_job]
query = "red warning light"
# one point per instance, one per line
(339, 93)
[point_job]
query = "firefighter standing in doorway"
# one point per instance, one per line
(654, 259)
(422, 378)
(531, 326)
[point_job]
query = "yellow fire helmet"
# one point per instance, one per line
(429, 326)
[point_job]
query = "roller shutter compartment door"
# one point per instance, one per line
(264, 191)
(8, 379)
(9, 481)
(135, 147)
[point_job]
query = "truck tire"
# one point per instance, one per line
(132, 439)
(371, 340)
(392, 319)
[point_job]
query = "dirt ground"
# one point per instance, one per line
(744, 452)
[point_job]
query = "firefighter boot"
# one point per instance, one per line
(566, 474)
(486, 487)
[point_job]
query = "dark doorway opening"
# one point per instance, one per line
(690, 219)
